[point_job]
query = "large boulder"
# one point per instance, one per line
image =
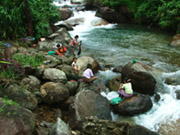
(173, 79)
(65, 13)
(31, 83)
(111, 15)
(178, 94)
(140, 130)
(142, 77)
(88, 103)
(94, 126)
(72, 86)
(83, 61)
(114, 83)
(53, 93)
(54, 74)
(65, 25)
(60, 128)
(77, 1)
(137, 104)
(61, 36)
(15, 120)
(69, 71)
(176, 41)
(21, 95)
(75, 21)
(171, 127)
(99, 22)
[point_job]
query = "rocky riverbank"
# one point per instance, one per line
(50, 99)
(52, 92)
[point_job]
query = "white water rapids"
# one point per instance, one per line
(167, 109)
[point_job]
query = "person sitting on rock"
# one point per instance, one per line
(88, 75)
(75, 66)
(61, 50)
(74, 41)
(125, 89)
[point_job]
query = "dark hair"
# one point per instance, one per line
(74, 58)
(126, 79)
(89, 66)
(58, 45)
(76, 36)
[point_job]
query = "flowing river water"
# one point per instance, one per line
(117, 45)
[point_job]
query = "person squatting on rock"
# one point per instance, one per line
(61, 50)
(125, 88)
(75, 66)
(75, 42)
(88, 75)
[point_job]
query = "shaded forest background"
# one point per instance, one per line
(21, 18)
(162, 13)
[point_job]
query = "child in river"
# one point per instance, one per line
(125, 88)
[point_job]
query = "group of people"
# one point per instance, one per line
(125, 89)
(61, 50)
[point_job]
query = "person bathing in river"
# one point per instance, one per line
(75, 42)
(61, 50)
(125, 89)
(88, 75)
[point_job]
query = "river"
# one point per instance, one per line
(115, 45)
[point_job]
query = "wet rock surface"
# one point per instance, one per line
(136, 104)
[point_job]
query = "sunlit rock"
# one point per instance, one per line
(53, 93)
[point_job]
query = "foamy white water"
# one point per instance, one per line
(164, 111)
(83, 29)
(168, 108)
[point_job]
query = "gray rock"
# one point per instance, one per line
(31, 83)
(88, 103)
(95, 126)
(83, 61)
(178, 94)
(143, 77)
(75, 21)
(53, 93)
(173, 80)
(140, 130)
(72, 86)
(21, 95)
(136, 104)
(118, 69)
(60, 128)
(54, 74)
(15, 120)
(65, 25)
(61, 36)
(115, 83)
(99, 22)
(65, 13)
(111, 15)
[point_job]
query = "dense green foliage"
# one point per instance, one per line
(18, 15)
(10, 69)
(164, 13)
(7, 102)
(34, 60)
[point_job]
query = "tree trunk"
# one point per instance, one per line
(28, 18)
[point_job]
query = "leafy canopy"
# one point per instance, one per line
(13, 23)
(164, 13)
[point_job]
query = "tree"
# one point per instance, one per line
(20, 18)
